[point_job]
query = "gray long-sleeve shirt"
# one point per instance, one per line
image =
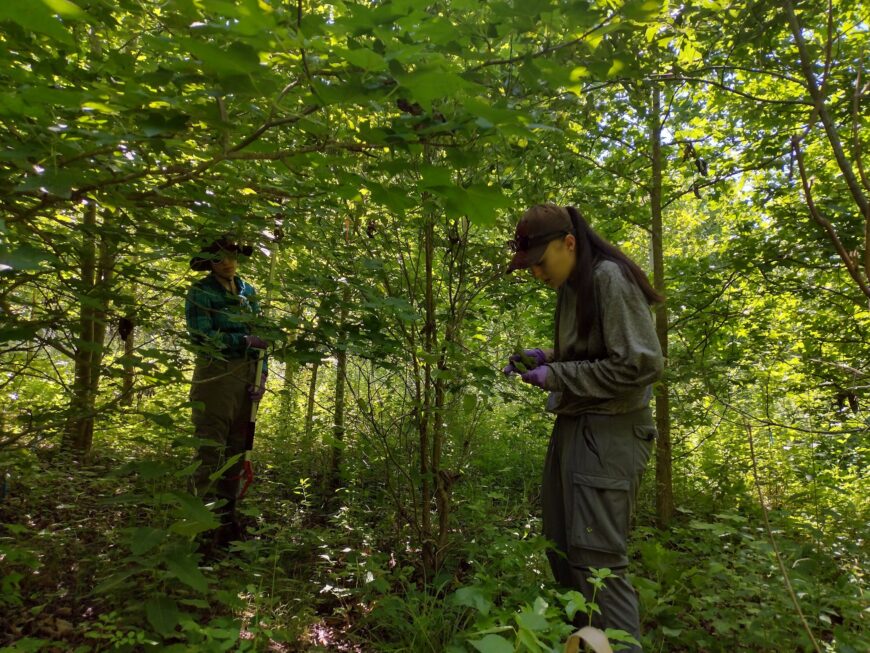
(612, 370)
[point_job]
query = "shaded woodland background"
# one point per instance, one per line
(378, 154)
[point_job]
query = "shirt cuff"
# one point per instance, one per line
(552, 383)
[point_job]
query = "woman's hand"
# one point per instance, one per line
(529, 359)
(537, 377)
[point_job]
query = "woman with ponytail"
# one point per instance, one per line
(599, 377)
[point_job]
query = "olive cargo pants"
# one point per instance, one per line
(222, 417)
(592, 473)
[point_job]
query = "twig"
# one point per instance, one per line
(670, 77)
(776, 553)
(548, 50)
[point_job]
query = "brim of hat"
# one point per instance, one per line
(200, 264)
(202, 261)
(527, 258)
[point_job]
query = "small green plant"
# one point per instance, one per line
(539, 626)
(111, 629)
(16, 560)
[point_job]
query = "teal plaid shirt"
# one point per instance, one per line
(218, 321)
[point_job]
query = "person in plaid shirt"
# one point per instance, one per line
(221, 311)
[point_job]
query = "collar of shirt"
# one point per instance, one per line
(242, 287)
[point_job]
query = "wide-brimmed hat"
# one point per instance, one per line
(212, 252)
(538, 226)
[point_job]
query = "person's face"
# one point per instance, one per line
(556, 264)
(225, 267)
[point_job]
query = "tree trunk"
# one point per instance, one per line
(664, 481)
(129, 380)
(307, 437)
(96, 277)
(428, 544)
(340, 381)
(287, 400)
(105, 272)
(288, 396)
(443, 478)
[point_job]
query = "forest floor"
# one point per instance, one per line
(102, 557)
(64, 535)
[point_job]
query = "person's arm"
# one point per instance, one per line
(634, 356)
(200, 324)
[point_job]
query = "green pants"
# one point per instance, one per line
(222, 389)
(592, 473)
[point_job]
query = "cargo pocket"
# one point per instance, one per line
(645, 434)
(601, 513)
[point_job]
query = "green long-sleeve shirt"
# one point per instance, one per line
(612, 370)
(218, 321)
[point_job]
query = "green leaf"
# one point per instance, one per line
(162, 613)
(472, 597)
(394, 198)
(426, 87)
(184, 568)
(65, 9)
(529, 640)
(191, 507)
(148, 470)
(26, 645)
(576, 603)
(115, 580)
(492, 115)
(531, 620)
(235, 59)
(615, 635)
(161, 419)
(145, 538)
(480, 203)
(493, 644)
(642, 10)
(232, 460)
(36, 17)
(99, 107)
(435, 176)
(365, 59)
(191, 468)
(24, 257)
(54, 182)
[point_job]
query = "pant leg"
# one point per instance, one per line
(221, 388)
(229, 483)
(601, 463)
(553, 503)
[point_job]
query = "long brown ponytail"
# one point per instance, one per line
(591, 249)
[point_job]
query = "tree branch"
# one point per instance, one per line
(542, 52)
(821, 108)
(853, 269)
(700, 80)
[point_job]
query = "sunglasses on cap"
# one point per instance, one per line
(525, 243)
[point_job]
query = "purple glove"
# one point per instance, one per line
(538, 354)
(256, 392)
(255, 342)
(537, 376)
